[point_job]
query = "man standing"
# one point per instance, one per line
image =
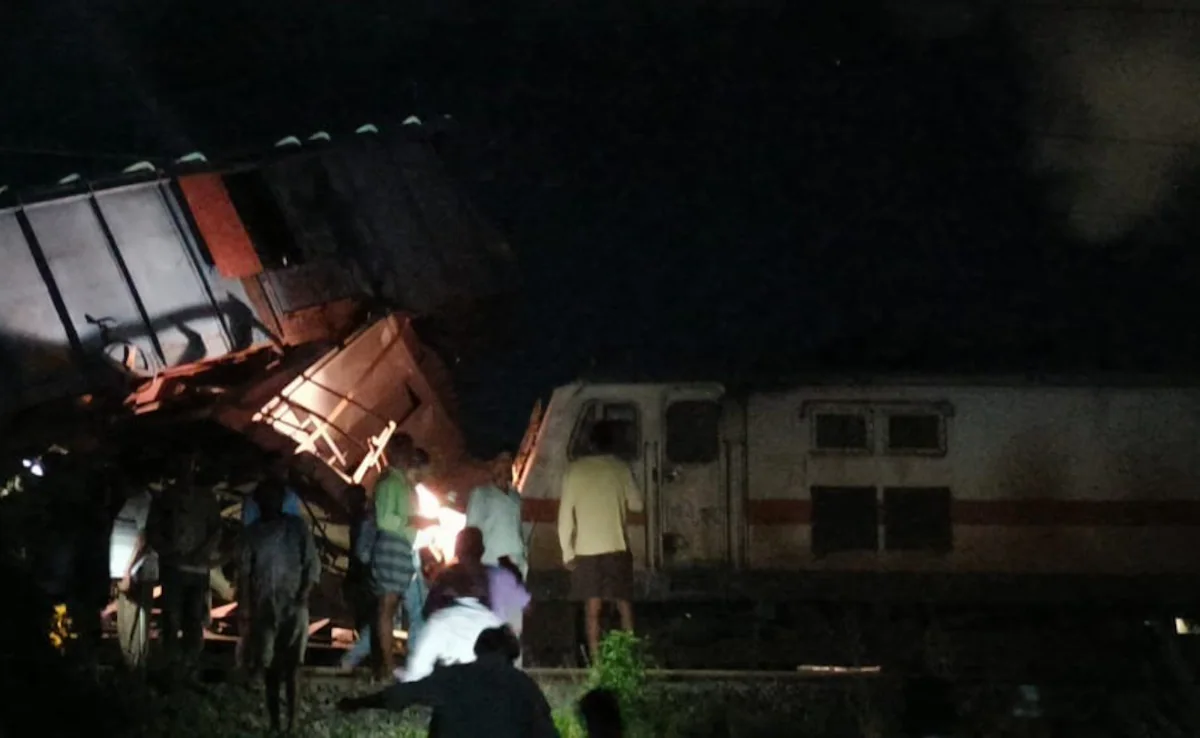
(276, 468)
(133, 565)
(392, 557)
(597, 491)
(495, 509)
(358, 587)
(185, 529)
(278, 569)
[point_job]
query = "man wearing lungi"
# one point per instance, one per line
(392, 560)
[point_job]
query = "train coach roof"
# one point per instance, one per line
(100, 175)
(1083, 380)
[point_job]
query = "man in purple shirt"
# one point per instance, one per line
(507, 595)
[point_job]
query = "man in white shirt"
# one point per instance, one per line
(133, 565)
(597, 492)
(495, 509)
(449, 634)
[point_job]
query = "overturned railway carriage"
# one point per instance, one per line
(154, 277)
(890, 495)
(290, 298)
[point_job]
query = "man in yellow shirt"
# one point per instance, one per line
(597, 492)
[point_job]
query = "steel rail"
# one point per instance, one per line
(716, 675)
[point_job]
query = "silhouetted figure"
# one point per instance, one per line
(358, 589)
(487, 697)
(279, 567)
(601, 714)
(185, 529)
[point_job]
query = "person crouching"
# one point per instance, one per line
(279, 567)
(457, 612)
(507, 595)
(486, 697)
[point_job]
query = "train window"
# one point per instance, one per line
(623, 416)
(693, 431)
(846, 432)
(264, 219)
(916, 433)
(917, 519)
(844, 519)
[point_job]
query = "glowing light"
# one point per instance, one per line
(830, 669)
(447, 523)
(35, 468)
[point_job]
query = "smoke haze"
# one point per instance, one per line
(1114, 116)
(1116, 113)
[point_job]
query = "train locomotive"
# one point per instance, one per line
(886, 495)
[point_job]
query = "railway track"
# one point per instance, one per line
(323, 657)
(715, 675)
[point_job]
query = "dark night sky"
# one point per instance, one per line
(718, 192)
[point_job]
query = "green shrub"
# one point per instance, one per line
(620, 667)
(566, 721)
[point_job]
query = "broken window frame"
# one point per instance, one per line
(264, 218)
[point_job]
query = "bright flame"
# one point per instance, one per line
(440, 536)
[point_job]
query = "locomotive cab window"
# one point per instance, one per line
(916, 433)
(844, 519)
(847, 432)
(693, 431)
(623, 417)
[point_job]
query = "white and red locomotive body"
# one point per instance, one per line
(884, 490)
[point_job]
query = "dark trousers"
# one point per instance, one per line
(185, 608)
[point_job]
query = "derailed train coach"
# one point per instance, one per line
(282, 301)
(163, 272)
(889, 493)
